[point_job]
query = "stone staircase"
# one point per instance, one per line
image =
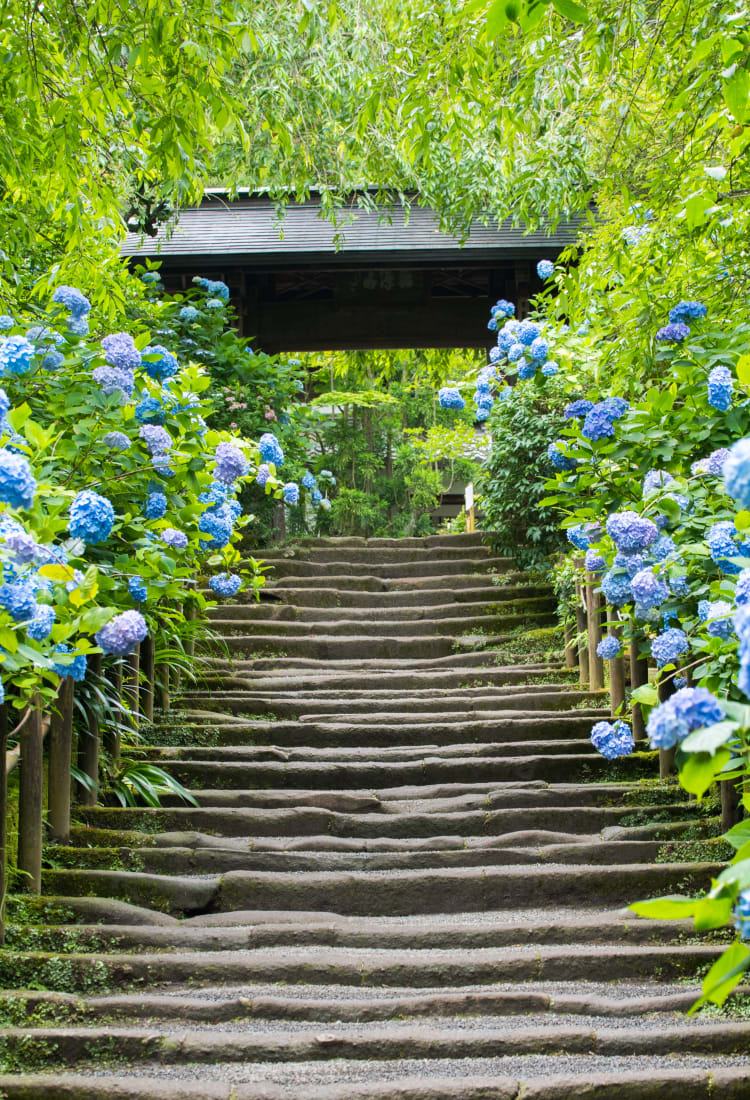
(404, 876)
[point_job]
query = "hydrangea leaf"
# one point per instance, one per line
(709, 738)
(738, 835)
(724, 975)
(671, 907)
(700, 769)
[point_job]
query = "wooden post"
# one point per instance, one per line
(594, 629)
(30, 802)
(148, 679)
(469, 507)
(3, 817)
(88, 744)
(665, 688)
(175, 674)
(571, 656)
(112, 737)
(130, 685)
(583, 657)
(638, 677)
(616, 669)
(731, 803)
(58, 764)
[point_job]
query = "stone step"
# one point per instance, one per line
(323, 647)
(384, 627)
(460, 670)
(499, 601)
(460, 539)
(284, 567)
(385, 893)
(382, 595)
(475, 576)
(378, 554)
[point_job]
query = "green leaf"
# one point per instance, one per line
(738, 874)
(8, 639)
(700, 769)
(17, 417)
(709, 738)
(738, 834)
(713, 913)
(737, 94)
(724, 975)
(568, 9)
(671, 907)
(743, 369)
(646, 694)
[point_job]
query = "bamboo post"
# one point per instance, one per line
(594, 630)
(88, 745)
(616, 669)
(665, 688)
(571, 656)
(583, 658)
(148, 679)
(30, 802)
(58, 763)
(3, 817)
(638, 677)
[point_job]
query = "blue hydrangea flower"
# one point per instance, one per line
(581, 534)
(308, 480)
(112, 379)
(504, 308)
(92, 517)
(599, 422)
(78, 326)
(291, 493)
(53, 360)
(527, 333)
(150, 277)
(448, 398)
(73, 300)
(122, 634)
(687, 311)
(505, 341)
(717, 616)
(631, 532)
(736, 470)
(17, 482)
(609, 648)
(662, 548)
(16, 355)
(76, 668)
(687, 710)
(214, 288)
(262, 475)
(317, 496)
(559, 460)
(230, 463)
(721, 543)
(225, 584)
(649, 589)
(270, 449)
(40, 627)
(150, 411)
(616, 588)
(121, 352)
(742, 914)
(612, 739)
(712, 464)
(673, 334)
(19, 600)
(214, 303)
(720, 385)
(6, 322)
(550, 368)
(158, 440)
(666, 648)
(43, 334)
(495, 354)
(178, 540)
(156, 505)
(539, 348)
(655, 481)
(137, 589)
(492, 324)
(188, 313)
(742, 591)
(578, 408)
(22, 544)
(217, 524)
(594, 562)
(116, 441)
(159, 363)
(515, 352)
(544, 269)
(526, 370)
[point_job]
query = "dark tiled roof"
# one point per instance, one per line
(250, 228)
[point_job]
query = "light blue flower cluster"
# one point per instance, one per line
(544, 269)
(16, 355)
(609, 648)
(719, 386)
(157, 439)
(70, 298)
(150, 411)
(527, 332)
(121, 352)
(156, 505)
(687, 710)
(649, 590)
(594, 562)
(579, 408)
(582, 534)
(673, 334)
(19, 600)
(742, 915)
(612, 739)
(450, 398)
(630, 532)
(550, 368)
(116, 441)
(717, 615)
(599, 422)
(270, 449)
(92, 517)
(225, 584)
(113, 380)
(291, 493)
(122, 634)
(17, 484)
(138, 589)
(742, 591)
(669, 646)
(75, 668)
(559, 460)
(214, 288)
(308, 480)
(159, 363)
(616, 587)
(231, 463)
(262, 475)
(721, 542)
(40, 627)
(177, 540)
(736, 471)
(687, 311)
(189, 313)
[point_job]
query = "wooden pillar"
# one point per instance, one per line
(88, 744)
(30, 802)
(130, 686)
(3, 817)
(594, 629)
(616, 668)
(148, 678)
(666, 756)
(112, 732)
(638, 677)
(175, 674)
(58, 763)
(731, 804)
(571, 656)
(583, 657)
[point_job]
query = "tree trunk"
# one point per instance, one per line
(58, 763)
(88, 746)
(30, 802)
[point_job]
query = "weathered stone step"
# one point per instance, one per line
(499, 602)
(256, 929)
(475, 576)
(460, 670)
(385, 627)
(466, 566)
(325, 647)
(460, 539)
(378, 554)
(383, 594)
(532, 1077)
(319, 965)
(387, 893)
